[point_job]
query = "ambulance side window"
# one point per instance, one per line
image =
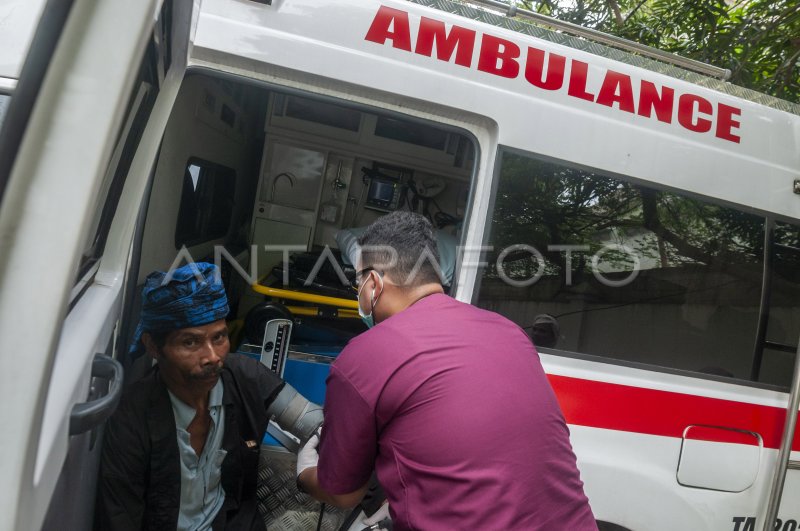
(633, 273)
(206, 205)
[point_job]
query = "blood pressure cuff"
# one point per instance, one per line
(191, 295)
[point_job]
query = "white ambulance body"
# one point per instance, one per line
(652, 212)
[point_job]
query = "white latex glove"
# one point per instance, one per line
(379, 515)
(308, 456)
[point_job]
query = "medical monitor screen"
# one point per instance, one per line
(382, 195)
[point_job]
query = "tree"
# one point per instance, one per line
(758, 40)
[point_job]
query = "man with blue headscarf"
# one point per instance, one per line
(181, 452)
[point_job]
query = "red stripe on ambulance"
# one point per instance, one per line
(665, 413)
(547, 71)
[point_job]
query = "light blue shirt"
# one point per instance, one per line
(201, 491)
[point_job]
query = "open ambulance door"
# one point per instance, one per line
(77, 147)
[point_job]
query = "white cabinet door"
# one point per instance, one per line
(294, 177)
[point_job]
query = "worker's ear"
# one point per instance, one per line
(150, 345)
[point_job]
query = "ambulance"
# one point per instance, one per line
(635, 213)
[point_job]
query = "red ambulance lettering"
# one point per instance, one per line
(689, 109)
(726, 123)
(534, 69)
(460, 40)
(546, 71)
(650, 100)
(577, 81)
(391, 24)
(617, 89)
(499, 57)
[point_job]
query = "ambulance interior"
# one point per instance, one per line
(258, 175)
(267, 180)
(280, 181)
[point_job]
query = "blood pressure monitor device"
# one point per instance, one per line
(275, 346)
(293, 419)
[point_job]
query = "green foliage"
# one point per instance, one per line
(758, 40)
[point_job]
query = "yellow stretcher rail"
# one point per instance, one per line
(313, 311)
(345, 304)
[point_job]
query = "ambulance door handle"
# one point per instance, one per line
(91, 414)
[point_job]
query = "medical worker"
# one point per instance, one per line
(447, 402)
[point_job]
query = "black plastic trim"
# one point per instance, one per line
(766, 291)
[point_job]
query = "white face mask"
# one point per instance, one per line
(368, 318)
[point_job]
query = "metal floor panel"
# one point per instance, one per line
(283, 507)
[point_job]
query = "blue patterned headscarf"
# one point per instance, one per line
(191, 295)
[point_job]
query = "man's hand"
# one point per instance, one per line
(308, 456)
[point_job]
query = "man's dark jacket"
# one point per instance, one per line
(140, 478)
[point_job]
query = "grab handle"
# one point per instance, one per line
(90, 414)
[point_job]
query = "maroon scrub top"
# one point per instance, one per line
(450, 405)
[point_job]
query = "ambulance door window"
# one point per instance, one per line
(600, 266)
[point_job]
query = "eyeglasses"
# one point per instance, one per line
(356, 283)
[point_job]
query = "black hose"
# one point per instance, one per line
(321, 514)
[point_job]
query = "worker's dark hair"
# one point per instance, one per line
(403, 246)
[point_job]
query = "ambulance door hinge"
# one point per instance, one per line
(797, 186)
